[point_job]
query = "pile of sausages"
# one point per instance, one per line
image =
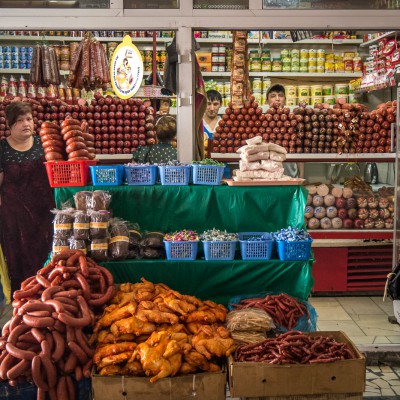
(44, 69)
(70, 138)
(295, 348)
(44, 341)
(284, 309)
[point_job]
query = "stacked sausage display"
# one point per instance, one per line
(44, 341)
(69, 138)
(44, 70)
(347, 128)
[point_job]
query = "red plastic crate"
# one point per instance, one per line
(68, 173)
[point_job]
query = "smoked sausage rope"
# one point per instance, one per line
(45, 341)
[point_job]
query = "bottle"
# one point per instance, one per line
(351, 169)
(371, 173)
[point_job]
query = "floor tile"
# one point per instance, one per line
(396, 389)
(334, 313)
(381, 340)
(387, 392)
(323, 301)
(349, 327)
(358, 340)
(386, 306)
(359, 305)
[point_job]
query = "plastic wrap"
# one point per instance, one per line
(83, 200)
(78, 244)
(118, 245)
(100, 200)
(99, 222)
(99, 249)
(62, 223)
(249, 319)
(81, 225)
(153, 240)
(60, 245)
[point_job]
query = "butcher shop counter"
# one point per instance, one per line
(236, 209)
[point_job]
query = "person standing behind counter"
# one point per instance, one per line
(276, 95)
(163, 151)
(26, 229)
(211, 117)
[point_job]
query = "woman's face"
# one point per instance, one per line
(23, 127)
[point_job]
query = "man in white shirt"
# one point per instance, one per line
(211, 117)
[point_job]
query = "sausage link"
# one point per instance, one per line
(50, 125)
(38, 335)
(75, 139)
(70, 121)
(70, 364)
(23, 294)
(43, 281)
(15, 321)
(69, 128)
(73, 259)
(70, 388)
(37, 373)
(27, 337)
(45, 347)
(78, 373)
(71, 294)
(27, 281)
(79, 153)
(45, 270)
(83, 343)
(8, 362)
(49, 131)
(34, 305)
(36, 322)
(84, 284)
(108, 295)
(50, 292)
(59, 326)
(18, 369)
(19, 353)
(86, 368)
(78, 351)
(59, 346)
(53, 156)
(84, 266)
(41, 394)
(50, 369)
(56, 305)
(40, 314)
(56, 281)
(71, 134)
(52, 143)
(75, 146)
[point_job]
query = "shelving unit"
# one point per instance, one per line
(387, 35)
(285, 41)
(291, 74)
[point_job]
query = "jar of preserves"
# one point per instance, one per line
(255, 64)
(284, 53)
(257, 85)
(277, 65)
(266, 64)
(148, 55)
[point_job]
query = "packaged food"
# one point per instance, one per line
(320, 69)
(303, 91)
(118, 245)
(59, 245)
(327, 90)
(316, 100)
(257, 85)
(290, 91)
(341, 88)
(83, 200)
(265, 53)
(266, 65)
(255, 64)
(339, 66)
(99, 221)
(295, 53)
(329, 66)
(78, 244)
(100, 200)
(358, 64)
(305, 99)
(316, 90)
(62, 223)
(348, 66)
(277, 65)
(321, 53)
(266, 84)
(329, 57)
(99, 249)
(291, 101)
(295, 65)
(329, 100)
(304, 53)
(81, 225)
(284, 53)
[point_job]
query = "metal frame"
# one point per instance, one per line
(184, 20)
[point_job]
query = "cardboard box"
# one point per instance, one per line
(205, 67)
(210, 386)
(247, 379)
(203, 57)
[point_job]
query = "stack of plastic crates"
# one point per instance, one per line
(141, 174)
(207, 174)
(174, 175)
(110, 175)
(68, 173)
(219, 250)
(177, 251)
(297, 250)
(255, 245)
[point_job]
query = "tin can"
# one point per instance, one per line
(320, 69)
(225, 101)
(118, 34)
(320, 61)
(7, 56)
(14, 64)
(312, 69)
(215, 58)
(14, 56)
(303, 69)
(6, 49)
(22, 57)
(291, 101)
(341, 89)
(329, 100)
(295, 53)
(303, 91)
(28, 65)
(266, 84)
(295, 65)
(227, 88)
(321, 53)
(6, 63)
(257, 85)
(284, 53)
(148, 66)
(219, 87)
(221, 67)
(110, 33)
(214, 68)
(316, 100)
(29, 49)
(215, 48)
(20, 65)
(257, 97)
(14, 49)
(304, 53)
(304, 99)
(222, 48)
(221, 58)
(327, 90)
(290, 90)
(1, 64)
(316, 90)
(64, 53)
(204, 34)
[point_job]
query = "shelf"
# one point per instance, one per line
(39, 39)
(292, 74)
(358, 157)
(285, 41)
(376, 40)
(368, 234)
(23, 71)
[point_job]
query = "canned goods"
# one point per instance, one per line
(266, 84)
(316, 100)
(266, 54)
(14, 49)
(22, 57)
(295, 53)
(215, 48)
(341, 97)
(312, 69)
(352, 99)
(14, 64)
(303, 91)
(20, 65)
(203, 34)
(214, 58)
(321, 53)
(320, 68)
(22, 49)
(255, 64)
(148, 66)
(253, 54)
(329, 100)
(320, 61)
(118, 33)
(266, 65)
(327, 90)
(219, 87)
(312, 52)
(257, 97)
(348, 66)
(316, 91)
(160, 66)
(303, 69)
(227, 88)
(304, 53)
(163, 55)
(284, 53)
(221, 48)
(148, 55)
(221, 67)
(214, 68)
(329, 66)
(221, 57)
(64, 65)
(295, 66)
(291, 101)
(225, 101)
(329, 56)
(290, 91)
(303, 62)
(341, 89)
(277, 65)
(28, 65)
(257, 85)
(29, 49)
(6, 63)
(64, 53)
(305, 99)
(14, 56)
(6, 49)
(286, 68)
(111, 48)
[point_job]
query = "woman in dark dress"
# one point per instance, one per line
(26, 197)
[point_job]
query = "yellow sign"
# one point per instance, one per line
(126, 69)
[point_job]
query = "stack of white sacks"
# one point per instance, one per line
(260, 161)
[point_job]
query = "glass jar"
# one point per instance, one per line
(255, 64)
(266, 64)
(351, 169)
(277, 65)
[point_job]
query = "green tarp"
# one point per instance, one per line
(236, 209)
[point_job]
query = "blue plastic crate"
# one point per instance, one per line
(181, 250)
(218, 250)
(207, 174)
(110, 175)
(174, 175)
(294, 250)
(141, 174)
(255, 249)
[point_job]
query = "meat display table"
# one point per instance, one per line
(236, 209)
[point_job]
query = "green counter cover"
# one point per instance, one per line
(220, 280)
(236, 209)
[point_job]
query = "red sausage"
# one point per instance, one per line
(50, 136)
(23, 294)
(18, 369)
(59, 326)
(36, 322)
(50, 369)
(79, 153)
(84, 284)
(72, 134)
(15, 321)
(51, 125)
(50, 292)
(82, 342)
(53, 149)
(74, 146)
(71, 294)
(43, 281)
(62, 391)
(46, 269)
(7, 363)
(38, 335)
(46, 349)
(53, 156)
(70, 121)
(41, 394)
(70, 364)
(34, 305)
(56, 281)
(59, 346)
(19, 353)
(40, 314)
(37, 373)
(104, 299)
(72, 260)
(74, 322)
(52, 143)
(84, 266)
(107, 274)
(27, 337)
(70, 388)
(57, 306)
(86, 368)
(68, 128)
(77, 350)
(75, 139)
(78, 373)
(25, 283)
